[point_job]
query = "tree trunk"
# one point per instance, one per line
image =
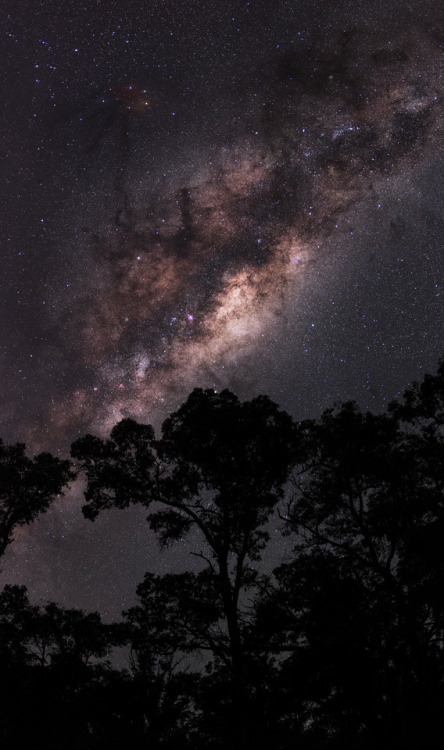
(238, 676)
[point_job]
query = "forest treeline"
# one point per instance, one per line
(340, 647)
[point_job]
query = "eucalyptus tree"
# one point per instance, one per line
(218, 470)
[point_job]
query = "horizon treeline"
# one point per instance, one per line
(341, 646)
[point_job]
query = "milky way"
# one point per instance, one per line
(191, 277)
(238, 194)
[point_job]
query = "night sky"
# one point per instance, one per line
(217, 194)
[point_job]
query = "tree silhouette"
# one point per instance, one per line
(219, 469)
(55, 671)
(359, 610)
(341, 647)
(27, 487)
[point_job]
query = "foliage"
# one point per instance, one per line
(219, 469)
(55, 671)
(340, 647)
(27, 487)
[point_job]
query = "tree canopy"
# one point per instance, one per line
(28, 486)
(340, 646)
(218, 469)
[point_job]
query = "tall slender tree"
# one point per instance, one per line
(218, 470)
